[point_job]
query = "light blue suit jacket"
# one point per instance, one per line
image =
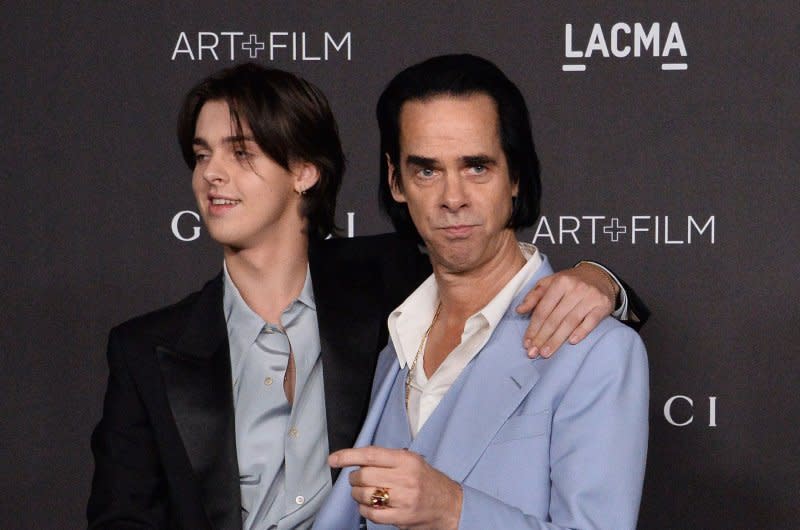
(550, 443)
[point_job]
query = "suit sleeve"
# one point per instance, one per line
(598, 447)
(636, 313)
(128, 487)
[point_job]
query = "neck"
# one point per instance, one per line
(463, 293)
(271, 275)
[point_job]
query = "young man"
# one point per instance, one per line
(466, 431)
(221, 409)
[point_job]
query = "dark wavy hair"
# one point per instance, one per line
(461, 75)
(291, 121)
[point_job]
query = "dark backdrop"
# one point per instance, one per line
(706, 149)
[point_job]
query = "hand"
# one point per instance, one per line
(419, 495)
(568, 304)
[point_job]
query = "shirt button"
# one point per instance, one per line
(268, 381)
(293, 433)
(299, 499)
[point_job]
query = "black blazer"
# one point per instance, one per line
(165, 453)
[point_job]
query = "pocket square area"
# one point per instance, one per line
(524, 426)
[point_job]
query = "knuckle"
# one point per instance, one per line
(604, 305)
(547, 329)
(416, 497)
(589, 323)
(601, 312)
(537, 316)
(596, 294)
(556, 339)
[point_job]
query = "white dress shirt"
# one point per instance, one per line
(408, 323)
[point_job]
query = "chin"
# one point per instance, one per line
(222, 236)
(457, 262)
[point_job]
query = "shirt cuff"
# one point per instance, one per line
(621, 311)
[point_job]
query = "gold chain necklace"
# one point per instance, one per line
(419, 350)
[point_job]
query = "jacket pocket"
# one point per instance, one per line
(526, 426)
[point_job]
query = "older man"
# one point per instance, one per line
(463, 429)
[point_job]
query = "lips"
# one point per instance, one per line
(218, 205)
(458, 231)
(221, 202)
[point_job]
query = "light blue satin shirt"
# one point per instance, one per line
(282, 449)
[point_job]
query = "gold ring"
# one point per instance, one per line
(379, 498)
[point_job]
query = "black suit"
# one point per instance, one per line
(165, 452)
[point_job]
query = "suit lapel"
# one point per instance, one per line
(484, 396)
(347, 294)
(339, 510)
(197, 378)
(385, 377)
(478, 405)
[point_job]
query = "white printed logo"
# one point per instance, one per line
(275, 45)
(185, 231)
(639, 229)
(622, 40)
(668, 413)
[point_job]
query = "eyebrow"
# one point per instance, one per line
(478, 160)
(422, 161)
(471, 160)
(238, 139)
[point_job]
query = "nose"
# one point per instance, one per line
(214, 170)
(454, 194)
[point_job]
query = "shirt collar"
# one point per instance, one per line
(244, 325)
(408, 323)
(497, 306)
(234, 305)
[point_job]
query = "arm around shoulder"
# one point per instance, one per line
(631, 310)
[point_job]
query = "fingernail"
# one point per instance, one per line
(527, 344)
(546, 351)
(533, 352)
(333, 460)
(573, 339)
